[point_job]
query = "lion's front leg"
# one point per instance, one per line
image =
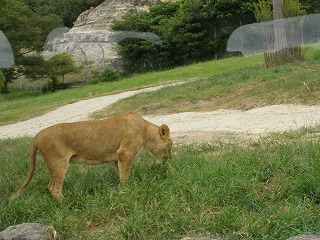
(116, 167)
(124, 163)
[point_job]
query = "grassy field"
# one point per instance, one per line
(243, 189)
(267, 189)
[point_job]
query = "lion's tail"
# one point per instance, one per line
(32, 167)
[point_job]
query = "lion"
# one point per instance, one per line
(116, 139)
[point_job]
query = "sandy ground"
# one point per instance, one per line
(187, 126)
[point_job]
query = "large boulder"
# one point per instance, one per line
(28, 231)
(305, 237)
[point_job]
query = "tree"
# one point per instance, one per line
(62, 64)
(190, 30)
(58, 66)
(26, 31)
(35, 67)
(283, 51)
(66, 10)
(293, 8)
(262, 11)
(280, 37)
(2, 80)
(140, 55)
(9, 75)
(311, 6)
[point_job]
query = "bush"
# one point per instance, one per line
(316, 55)
(107, 75)
(2, 79)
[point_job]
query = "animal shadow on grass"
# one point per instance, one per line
(90, 180)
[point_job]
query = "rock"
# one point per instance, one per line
(28, 231)
(198, 238)
(101, 17)
(299, 237)
(305, 237)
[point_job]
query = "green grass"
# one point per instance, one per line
(267, 189)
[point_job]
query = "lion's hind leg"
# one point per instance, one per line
(58, 167)
(55, 184)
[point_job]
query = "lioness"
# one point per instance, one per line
(117, 139)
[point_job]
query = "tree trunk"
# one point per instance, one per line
(280, 37)
(282, 52)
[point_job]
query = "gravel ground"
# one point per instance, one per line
(186, 126)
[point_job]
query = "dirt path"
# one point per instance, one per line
(187, 126)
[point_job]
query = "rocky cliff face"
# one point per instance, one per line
(91, 41)
(102, 16)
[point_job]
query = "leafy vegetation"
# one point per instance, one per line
(26, 33)
(68, 11)
(107, 75)
(27, 23)
(2, 79)
(282, 53)
(60, 65)
(191, 31)
(265, 189)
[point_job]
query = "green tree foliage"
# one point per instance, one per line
(2, 80)
(17, 23)
(26, 32)
(67, 10)
(139, 55)
(191, 31)
(26, 23)
(36, 67)
(262, 10)
(293, 8)
(9, 75)
(60, 65)
(107, 75)
(311, 6)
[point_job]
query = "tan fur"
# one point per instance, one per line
(117, 139)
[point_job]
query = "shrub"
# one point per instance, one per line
(108, 75)
(316, 55)
(2, 79)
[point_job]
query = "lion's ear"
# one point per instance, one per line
(164, 131)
